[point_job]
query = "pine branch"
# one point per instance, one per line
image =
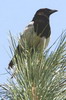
(38, 77)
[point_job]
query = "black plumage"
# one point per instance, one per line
(37, 33)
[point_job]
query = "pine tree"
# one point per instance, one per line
(40, 77)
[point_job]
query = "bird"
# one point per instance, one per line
(36, 33)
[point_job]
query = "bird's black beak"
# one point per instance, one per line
(53, 11)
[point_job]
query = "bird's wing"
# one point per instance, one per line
(30, 36)
(32, 39)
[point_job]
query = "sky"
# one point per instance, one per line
(16, 14)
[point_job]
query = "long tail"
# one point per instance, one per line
(10, 65)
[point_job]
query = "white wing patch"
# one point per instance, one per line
(30, 26)
(31, 23)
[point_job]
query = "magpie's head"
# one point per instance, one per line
(45, 12)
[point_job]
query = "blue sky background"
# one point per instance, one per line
(16, 14)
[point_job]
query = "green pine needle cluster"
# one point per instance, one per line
(38, 77)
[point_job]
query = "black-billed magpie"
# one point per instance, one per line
(37, 33)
